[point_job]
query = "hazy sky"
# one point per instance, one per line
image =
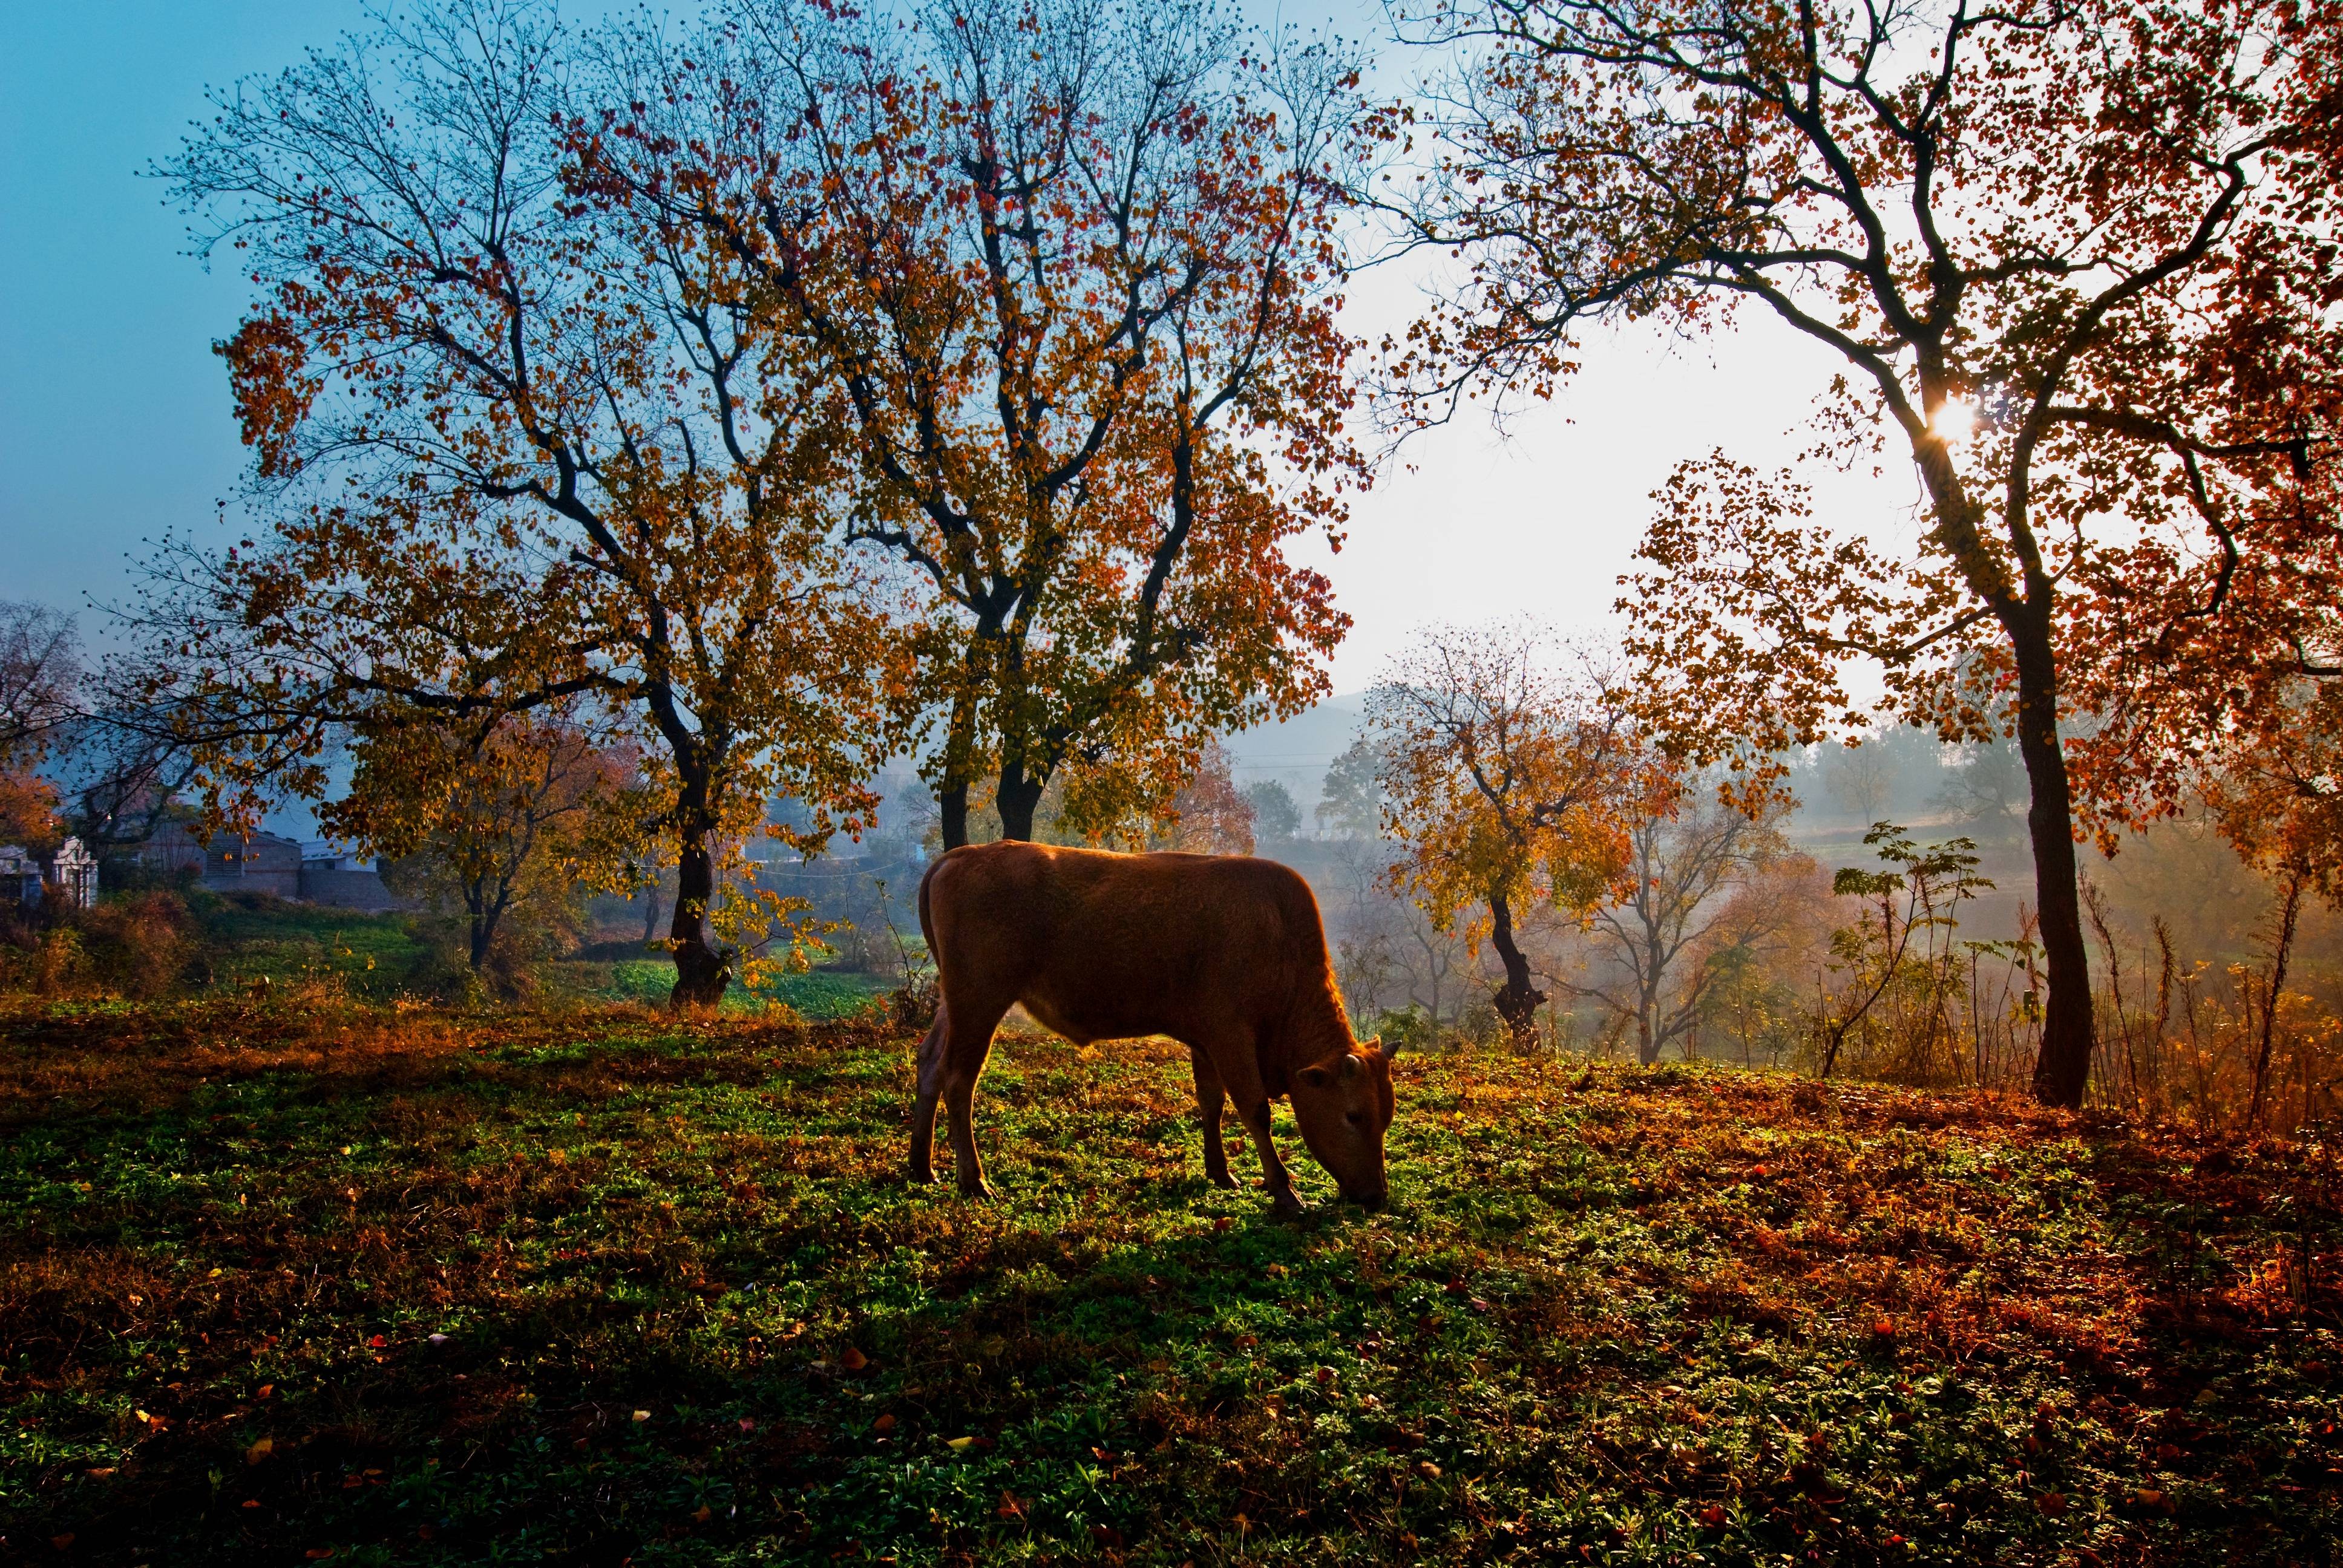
(115, 423)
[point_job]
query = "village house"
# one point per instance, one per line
(69, 876)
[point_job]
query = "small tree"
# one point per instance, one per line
(1208, 815)
(1350, 799)
(1275, 817)
(1903, 973)
(1506, 786)
(518, 827)
(40, 677)
(1678, 930)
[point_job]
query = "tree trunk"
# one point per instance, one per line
(2063, 1066)
(702, 969)
(951, 805)
(652, 916)
(1016, 798)
(2283, 947)
(1518, 998)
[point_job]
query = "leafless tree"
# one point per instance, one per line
(1679, 927)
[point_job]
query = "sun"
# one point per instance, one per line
(1954, 421)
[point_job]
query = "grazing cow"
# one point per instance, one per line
(1226, 954)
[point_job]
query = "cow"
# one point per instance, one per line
(1226, 954)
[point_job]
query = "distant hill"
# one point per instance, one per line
(1296, 751)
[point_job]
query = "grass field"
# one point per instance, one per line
(292, 1281)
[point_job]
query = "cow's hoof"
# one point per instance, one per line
(1286, 1206)
(977, 1191)
(918, 1177)
(1223, 1181)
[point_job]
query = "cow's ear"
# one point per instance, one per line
(1389, 1051)
(1315, 1076)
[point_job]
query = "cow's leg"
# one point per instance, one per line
(968, 1040)
(923, 1109)
(1211, 1096)
(1281, 1195)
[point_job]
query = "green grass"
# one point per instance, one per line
(284, 943)
(823, 994)
(693, 1314)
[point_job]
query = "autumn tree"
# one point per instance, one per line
(1507, 785)
(513, 450)
(40, 678)
(2077, 259)
(1208, 815)
(1679, 927)
(521, 824)
(1072, 267)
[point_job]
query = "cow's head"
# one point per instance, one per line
(1343, 1106)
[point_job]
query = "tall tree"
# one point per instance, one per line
(1506, 785)
(514, 450)
(2077, 257)
(1072, 265)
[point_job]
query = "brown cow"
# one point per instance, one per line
(1226, 954)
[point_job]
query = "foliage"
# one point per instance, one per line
(1071, 271)
(1899, 977)
(511, 451)
(1693, 909)
(1209, 816)
(685, 1313)
(520, 826)
(1351, 798)
(2078, 261)
(1506, 785)
(2277, 792)
(1275, 814)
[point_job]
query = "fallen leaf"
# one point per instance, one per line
(886, 1422)
(259, 1450)
(1712, 1516)
(702, 1513)
(642, 1415)
(747, 1424)
(853, 1359)
(1426, 1469)
(959, 1444)
(2051, 1502)
(252, 1503)
(62, 1542)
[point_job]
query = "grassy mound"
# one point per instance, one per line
(282, 1283)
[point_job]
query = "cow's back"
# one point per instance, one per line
(1102, 946)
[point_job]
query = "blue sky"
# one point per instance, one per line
(114, 413)
(114, 424)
